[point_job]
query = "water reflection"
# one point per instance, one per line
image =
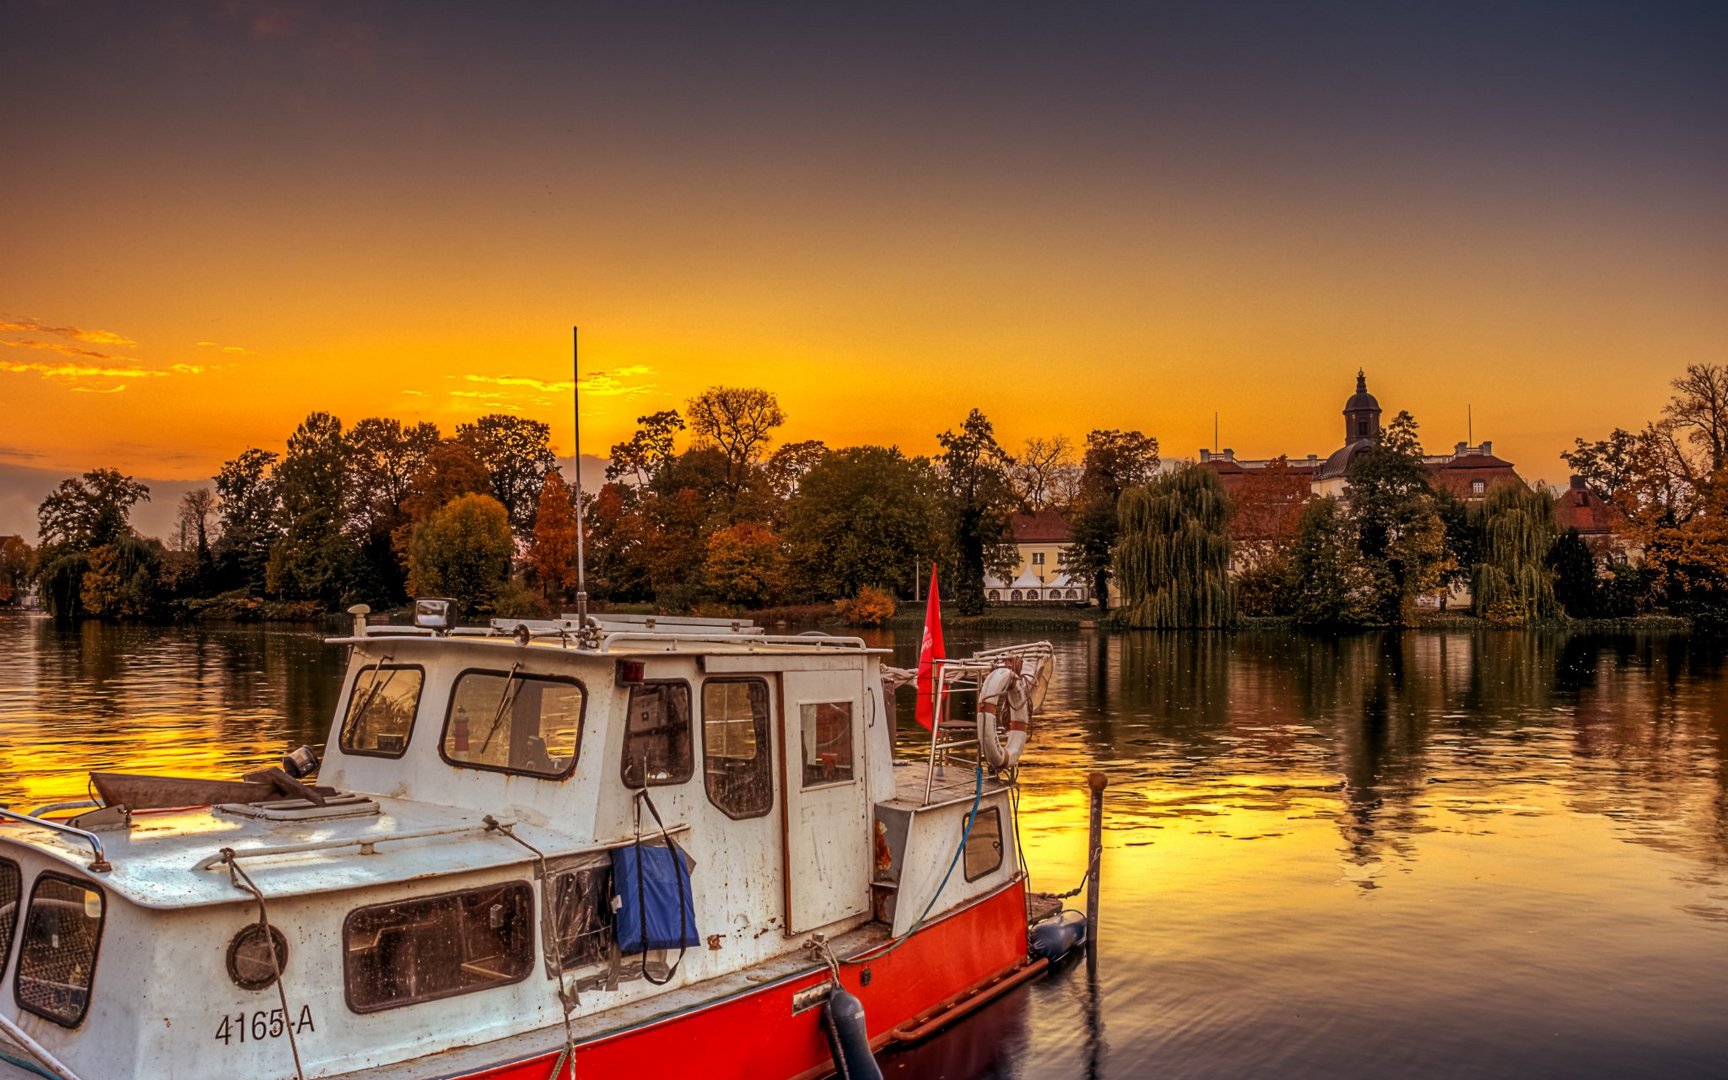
(1486, 854)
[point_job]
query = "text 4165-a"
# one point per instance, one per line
(261, 1025)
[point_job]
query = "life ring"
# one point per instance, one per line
(1003, 694)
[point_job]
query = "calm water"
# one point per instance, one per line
(1435, 855)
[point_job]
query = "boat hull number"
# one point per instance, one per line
(262, 1024)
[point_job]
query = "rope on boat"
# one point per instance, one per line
(44, 1059)
(240, 880)
(549, 921)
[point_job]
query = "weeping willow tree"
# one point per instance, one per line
(1173, 553)
(1514, 582)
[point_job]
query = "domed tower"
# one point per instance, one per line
(1361, 413)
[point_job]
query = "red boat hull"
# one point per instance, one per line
(757, 1035)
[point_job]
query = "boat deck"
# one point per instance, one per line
(954, 782)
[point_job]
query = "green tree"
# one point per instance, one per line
(384, 456)
(1113, 462)
(517, 454)
(1173, 553)
(1398, 528)
(980, 496)
(1514, 583)
(89, 511)
(1605, 464)
(745, 564)
(463, 552)
(1576, 588)
(864, 516)
(314, 558)
(1326, 583)
(640, 458)
(250, 512)
(787, 466)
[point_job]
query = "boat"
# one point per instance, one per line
(600, 846)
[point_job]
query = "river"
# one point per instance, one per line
(1432, 855)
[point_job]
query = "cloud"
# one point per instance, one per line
(88, 390)
(613, 383)
(76, 333)
(414, 393)
(60, 347)
(187, 369)
(80, 371)
(232, 350)
(481, 394)
(521, 380)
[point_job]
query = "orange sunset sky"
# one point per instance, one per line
(219, 217)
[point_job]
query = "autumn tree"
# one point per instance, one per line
(250, 512)
(450, 471)
(739, 422)
(745, 564)
(1173, 553)
(1700, 409)
(124, 579)
(15, 557)
(516, 453)
(463, 552)
(980, 497)
(1265, 508)
(1113, 462)
(553, 553)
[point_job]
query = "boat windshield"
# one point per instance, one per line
(513, 722)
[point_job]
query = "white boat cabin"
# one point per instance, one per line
(451, 889)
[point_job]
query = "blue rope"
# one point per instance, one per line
(27, 1066)
(971, 816)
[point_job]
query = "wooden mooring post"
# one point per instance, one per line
(1097, 781)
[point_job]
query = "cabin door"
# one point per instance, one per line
(827, 801)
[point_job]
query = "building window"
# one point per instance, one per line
(1477, 487)
(11, 891)
(505, 721)
(381, 707)
(57, 960)
(418, 950)
(657, 735)
(995, 594)
(827, 736)
(984, 844)
(736, 769)
(1062, 557)
(1037, 558)
(582, 916)
(1015, 595)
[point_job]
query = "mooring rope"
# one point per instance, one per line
(555, 941)
(241, 880)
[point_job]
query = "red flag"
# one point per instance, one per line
(928, 653)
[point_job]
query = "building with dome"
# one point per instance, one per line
(1467, 472)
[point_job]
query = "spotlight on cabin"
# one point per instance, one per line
(631, 673)
(432, 613)
(300, 763)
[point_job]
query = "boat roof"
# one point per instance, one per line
(173, 858)
(623, 635)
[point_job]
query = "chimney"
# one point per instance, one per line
(1458, 451)
(1487, 448)
(1577, 483)
(1229, 454)
(1205, 455)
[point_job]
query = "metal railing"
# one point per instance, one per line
(99, 864)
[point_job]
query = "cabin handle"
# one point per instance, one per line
(99, 864)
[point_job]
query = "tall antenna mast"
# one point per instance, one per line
(1469, 425)
(576, 452)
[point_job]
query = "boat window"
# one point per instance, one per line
(515, 723)
(582, 913)
(381, 709)
(735, 748)
(657, 735)
(984, 844)
(57, 959)
(438, 946)
(11, 891)
(827, 732)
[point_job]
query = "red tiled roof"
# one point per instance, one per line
(1042, 527)
(1582, 509)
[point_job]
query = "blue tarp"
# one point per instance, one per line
(664, 879)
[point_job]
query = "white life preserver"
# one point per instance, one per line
(1003, 694)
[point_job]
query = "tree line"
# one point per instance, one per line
(1193, 556)
(702, 509)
